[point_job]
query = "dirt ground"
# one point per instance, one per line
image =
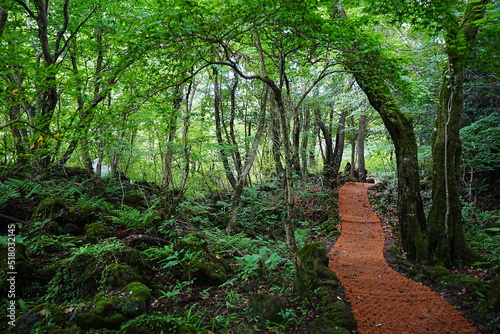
(382, 300)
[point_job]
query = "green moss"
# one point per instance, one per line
(492, 302)
(156, 323)
(439, 272)
(267, 307)
(65, 331)
(94, 268)
(463, 281)
(138, 290)
(44, 318)
(134, 307)
(114, 321)
(197, 262)
(314, 261)
(95, 231)
(103, 315)
(104, 309)
(115, 276)
(324, 325)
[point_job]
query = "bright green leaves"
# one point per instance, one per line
(481, 143)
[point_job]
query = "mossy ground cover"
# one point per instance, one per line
(114, 257)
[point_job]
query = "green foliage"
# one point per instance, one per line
(105, 266)
(177, 289)
(261, 264)
(481, 143)
(46, 244)
(483, 233)
(168, 257)
(132, 218)
(8, 191)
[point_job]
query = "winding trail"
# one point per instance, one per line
(382, 300)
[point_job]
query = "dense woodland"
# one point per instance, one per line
(173, 166)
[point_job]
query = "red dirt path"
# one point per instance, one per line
(383, 301)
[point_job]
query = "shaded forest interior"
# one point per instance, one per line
(174, 165)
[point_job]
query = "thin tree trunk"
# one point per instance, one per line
(339, 144)
(248, 164)
(304, 150)
(185, 131)
(168, 177)
(275, 137)
(218, 130)
(352, 171)
(361, 148)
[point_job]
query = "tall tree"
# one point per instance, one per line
(445, 234)
(372, 69)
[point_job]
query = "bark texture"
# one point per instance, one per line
(445, 231)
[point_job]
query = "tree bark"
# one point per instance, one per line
(248, 165)
(446, 240)
(168, 177)
(218, 130)
(361, 148)
(304, 150)
(339, 144)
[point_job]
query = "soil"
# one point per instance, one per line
(381, 299)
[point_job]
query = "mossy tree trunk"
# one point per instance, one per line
(400, 127)
(370, 69)
(445, 235)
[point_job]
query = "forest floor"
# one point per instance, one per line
(82, 242)
(382, 300)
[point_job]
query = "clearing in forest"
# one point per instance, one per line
(382, 300)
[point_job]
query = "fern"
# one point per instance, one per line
(127, 215)
(7, 192)
(133, 218)
(95, 201)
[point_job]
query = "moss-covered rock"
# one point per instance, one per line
(324, 325)
(138, 290)
(198, 263)
(464, 281)
(94, 268)
(133, 307)
(91, 320)
(104, 309)
(314, 269)
(23, 267)
(439, 273)
(43, 318)
(96, 231)
(115, 276)
(314, 258)
(156, 323)
(267, 307)
(492, 302)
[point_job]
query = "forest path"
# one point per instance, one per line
(383, 301)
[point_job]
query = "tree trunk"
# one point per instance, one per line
(248, 165)
(329, 175)
(339, 144)
(275, 135)
(361, 148)
(446, 240)
(352, 171)
(218, 130)
(304, 150)
(365, 66)
(168, 177)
